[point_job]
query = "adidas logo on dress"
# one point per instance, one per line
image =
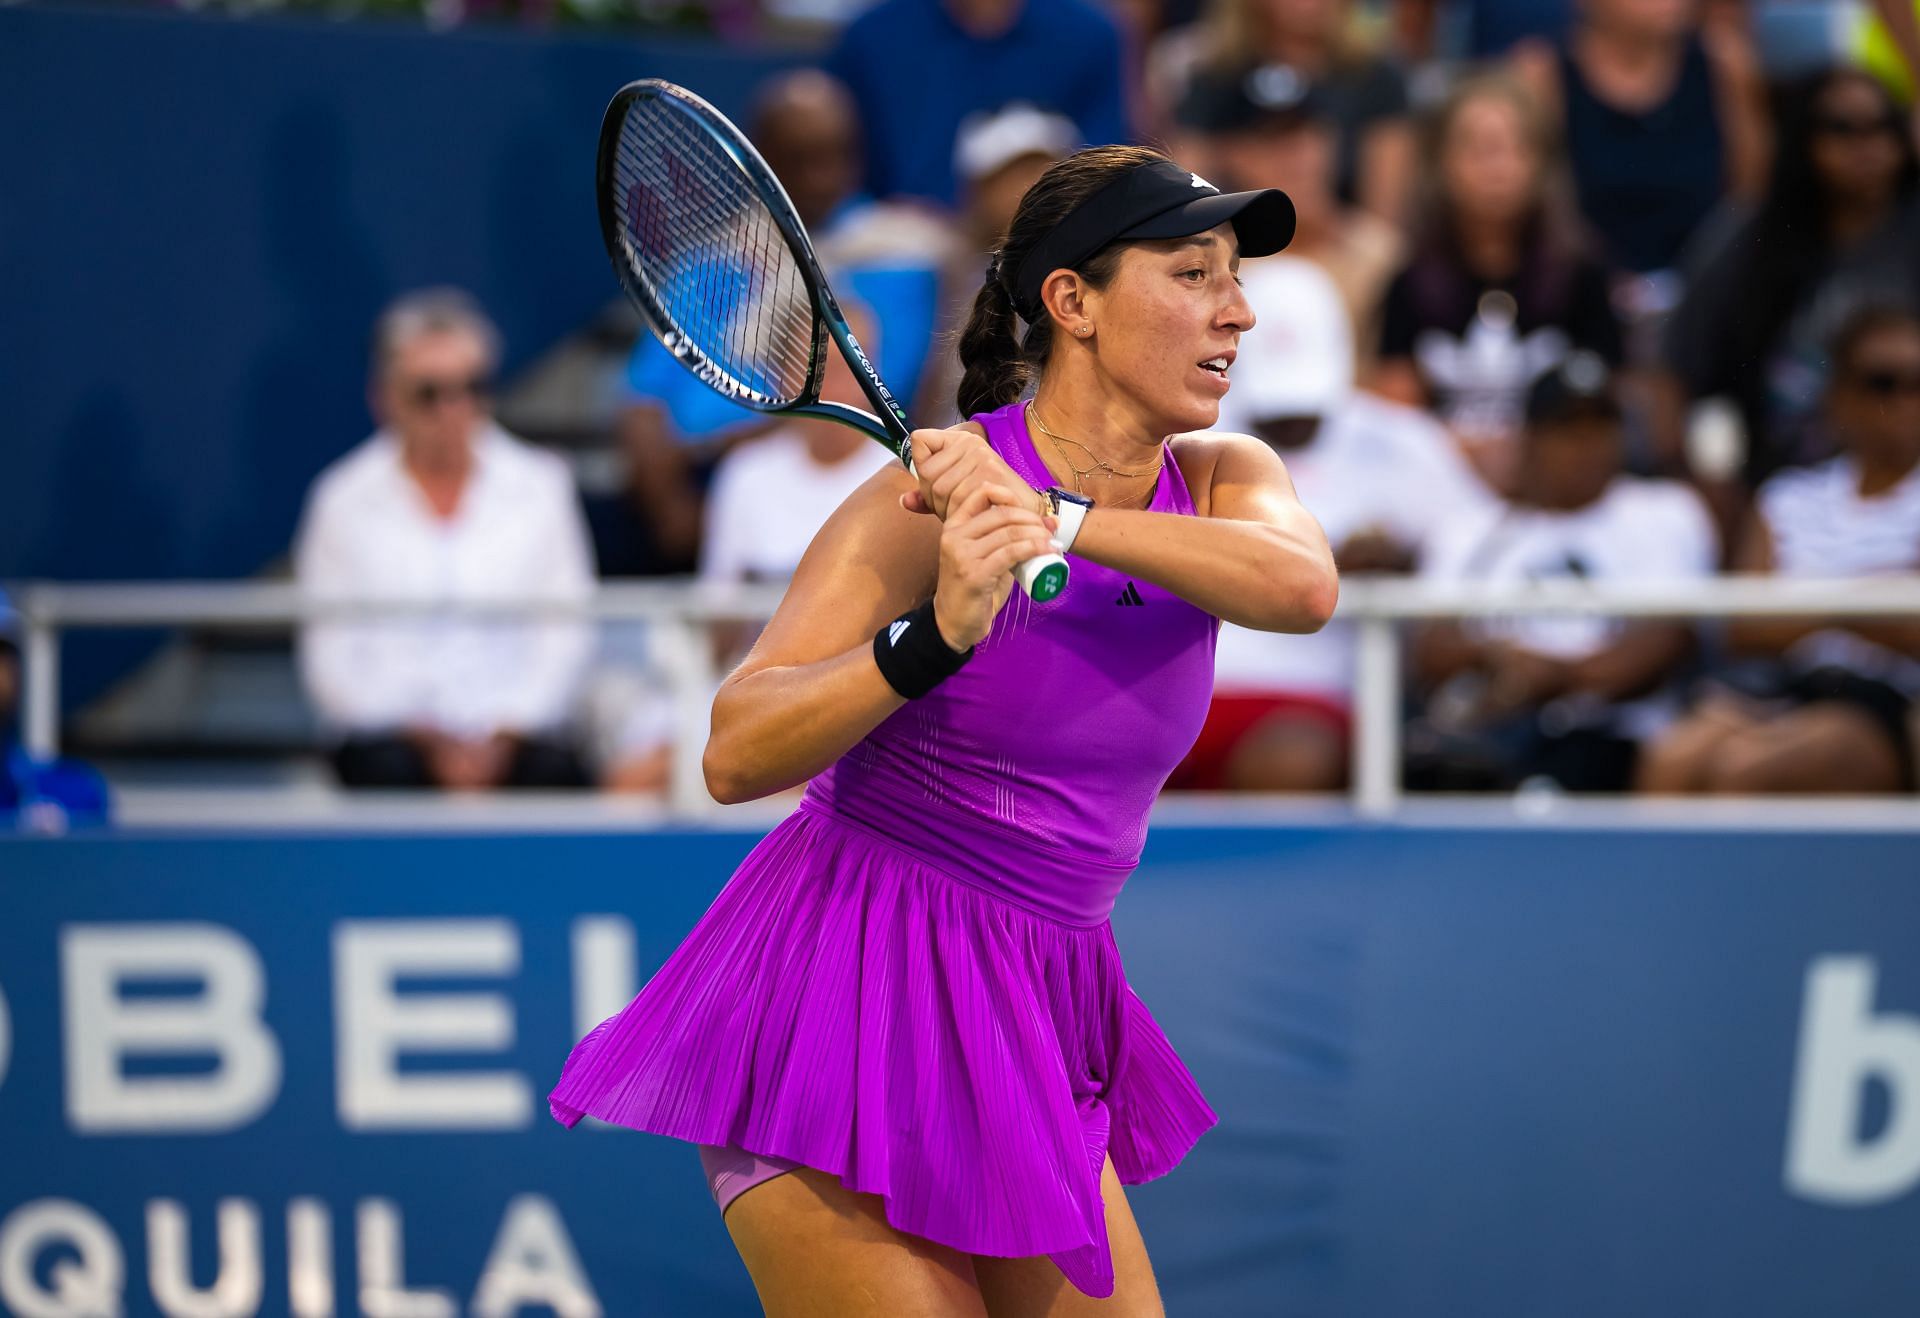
(1130, 596)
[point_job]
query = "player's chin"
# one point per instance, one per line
(1195, 414)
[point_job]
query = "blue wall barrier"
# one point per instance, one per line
(1577, 1074)
(199, 220)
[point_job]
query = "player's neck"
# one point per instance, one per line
(1077, 431)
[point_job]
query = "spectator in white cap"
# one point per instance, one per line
(1383, 479)
(997, 156)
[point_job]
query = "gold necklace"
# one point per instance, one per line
(1106, 469)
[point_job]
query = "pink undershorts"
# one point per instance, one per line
(733, 1172)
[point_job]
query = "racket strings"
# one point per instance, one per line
(708, 252)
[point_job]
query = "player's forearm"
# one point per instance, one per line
(774, 728)
(1276, 578)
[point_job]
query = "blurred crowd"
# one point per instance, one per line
(1586, 290)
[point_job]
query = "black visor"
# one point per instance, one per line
(1155, 200)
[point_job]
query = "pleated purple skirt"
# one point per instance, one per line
(846, 1005)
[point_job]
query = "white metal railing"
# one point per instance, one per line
(678, 613)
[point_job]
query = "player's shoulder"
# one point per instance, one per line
(871, 532)
(1201, 452)
(1212, 443)
(1207, 457)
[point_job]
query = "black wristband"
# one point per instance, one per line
(913, 656)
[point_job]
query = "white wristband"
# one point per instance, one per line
(1070, 510)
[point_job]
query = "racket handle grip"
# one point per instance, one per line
(1042, 577)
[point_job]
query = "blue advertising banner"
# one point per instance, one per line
(1531, 1072)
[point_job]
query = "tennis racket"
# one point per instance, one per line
(708, 245)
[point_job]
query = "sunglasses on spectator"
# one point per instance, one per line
(1887, 383)
(1849, 125)
(431, 393)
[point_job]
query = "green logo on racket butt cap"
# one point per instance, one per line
(1043, 578)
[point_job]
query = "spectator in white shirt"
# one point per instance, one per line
(1568, 699)
(1833, 707)
(771, 494)
(1383, 480)
(442, 507)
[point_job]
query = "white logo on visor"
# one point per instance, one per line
(1199, 182)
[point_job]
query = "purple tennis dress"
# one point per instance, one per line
(911, 983)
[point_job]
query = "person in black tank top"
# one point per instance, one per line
(1662, 116)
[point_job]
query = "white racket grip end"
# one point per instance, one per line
(1043, 577)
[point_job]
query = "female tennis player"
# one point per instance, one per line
(901, 1033)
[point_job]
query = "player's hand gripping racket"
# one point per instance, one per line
(706, 242)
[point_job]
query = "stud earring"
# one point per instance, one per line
(1084, 329)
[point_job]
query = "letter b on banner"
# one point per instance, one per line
(1844, 1046)
(222, 1020)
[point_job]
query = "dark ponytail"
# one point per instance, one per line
(996, 372)
(999, 364)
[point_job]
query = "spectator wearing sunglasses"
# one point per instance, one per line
(1837, 231)
(441, 507)
(1830, 705)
